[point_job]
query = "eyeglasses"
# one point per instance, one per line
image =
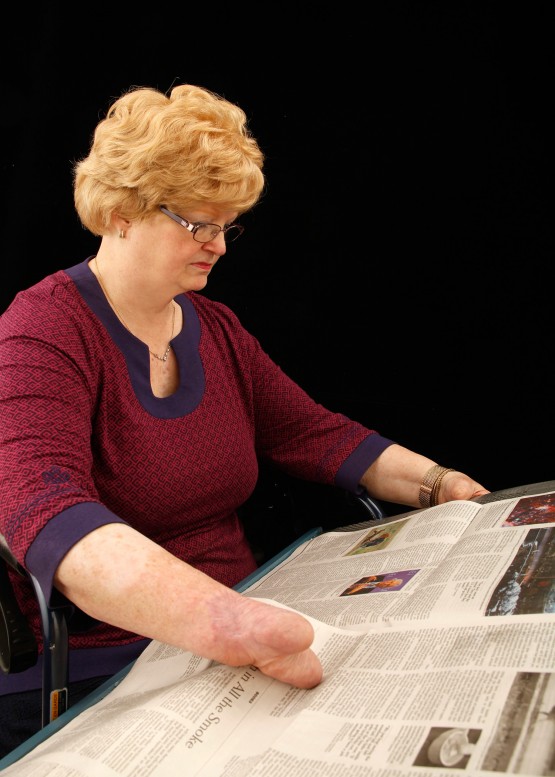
(202, 232)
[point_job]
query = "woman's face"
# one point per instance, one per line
(171, 254)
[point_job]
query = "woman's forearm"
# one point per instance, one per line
(117, 575)
(398, 473)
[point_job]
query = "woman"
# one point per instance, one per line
(134, 410)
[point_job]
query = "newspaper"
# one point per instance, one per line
(436, 634)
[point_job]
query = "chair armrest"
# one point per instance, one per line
(18, 646)
(373, 509)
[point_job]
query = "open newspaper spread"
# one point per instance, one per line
(437, 636)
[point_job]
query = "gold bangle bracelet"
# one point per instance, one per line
(434, 498)
(429, 488)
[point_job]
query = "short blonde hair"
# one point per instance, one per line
(187, 149)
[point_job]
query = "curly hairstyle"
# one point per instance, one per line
(184, 150)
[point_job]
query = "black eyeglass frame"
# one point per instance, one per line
(194, 227)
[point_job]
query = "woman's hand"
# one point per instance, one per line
(117, 575)
(457, 485)
(397, 474)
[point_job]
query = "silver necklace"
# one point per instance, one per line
(163, 358)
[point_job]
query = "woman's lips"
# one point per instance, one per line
(204, 266)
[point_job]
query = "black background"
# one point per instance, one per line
(399, 265)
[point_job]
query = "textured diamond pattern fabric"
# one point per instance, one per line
(79, 425)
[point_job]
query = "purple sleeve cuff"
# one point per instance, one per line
(59, 535)
(353, 468)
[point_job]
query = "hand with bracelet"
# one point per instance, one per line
(402, 476)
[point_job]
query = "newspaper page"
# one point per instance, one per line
(490, 559)
(477, 695)
(455, 670)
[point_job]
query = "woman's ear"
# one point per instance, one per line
(119, 224)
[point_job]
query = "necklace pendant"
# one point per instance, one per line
(163, 358)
